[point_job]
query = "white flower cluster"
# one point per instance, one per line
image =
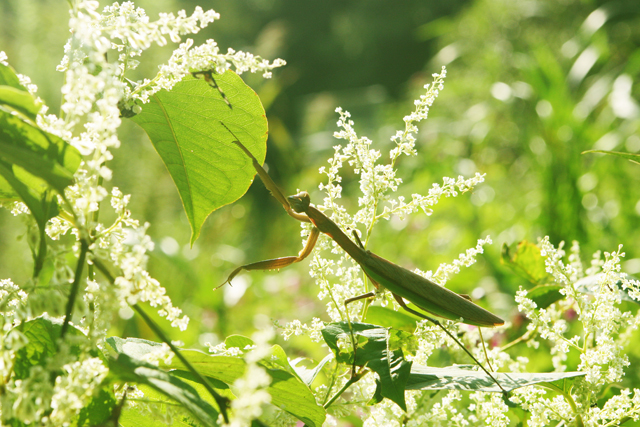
(605, 330)
(406, 140)
(73, 391)
(131, 26)
(466, 259)
(94, 90)
(28, 399)
(186, 60)
(128, 30)
(450, 188)
(126, 244)
(12, 306)
(338, 276)
(250, 388)
(296, 328)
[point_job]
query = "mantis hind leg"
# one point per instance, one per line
(400, 301)
(278, 263)
(368, 295)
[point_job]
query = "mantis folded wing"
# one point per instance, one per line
(402, 283)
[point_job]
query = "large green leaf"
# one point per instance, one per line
(138, 416)
(453, 378)
(402, 320)
(134, 347)
(18, 100)
(38, 199)
(8, 77)
(378, 348)
(184, 125)
(308, 375)
(526, 260)
(238, 341)
(34, 153)
(287, 391)
(99, 410)
(133, 370)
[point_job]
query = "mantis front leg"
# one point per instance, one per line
(278, 263)
(268, 182)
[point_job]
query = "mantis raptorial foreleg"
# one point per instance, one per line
(268, 182)
(278, 263)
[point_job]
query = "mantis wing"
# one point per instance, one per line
(426, 294)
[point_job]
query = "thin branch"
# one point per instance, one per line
(84, 247)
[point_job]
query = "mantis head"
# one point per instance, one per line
(300, 202)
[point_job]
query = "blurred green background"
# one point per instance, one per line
(531, 84)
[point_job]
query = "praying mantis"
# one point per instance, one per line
(402, 283)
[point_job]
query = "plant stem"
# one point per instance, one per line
(84, 247)
(94, 219)
(42, 253)
(484, 347)
(221, 401)
(333, 381)
(527, 335)
(354, 379)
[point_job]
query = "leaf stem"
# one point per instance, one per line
(84, 247)
(354, 379)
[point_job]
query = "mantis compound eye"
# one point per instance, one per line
(300, 202)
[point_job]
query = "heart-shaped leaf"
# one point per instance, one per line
(185, 126)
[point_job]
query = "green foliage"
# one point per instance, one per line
(41, 335)
(129, 369)
(400, 320)
(32, 161)
(548, 107)
(185, 127)
(375, 351)
(452, 378)
(34, 164)
(100, 409)
(287, 390)
(36, 159)
(527, 262)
